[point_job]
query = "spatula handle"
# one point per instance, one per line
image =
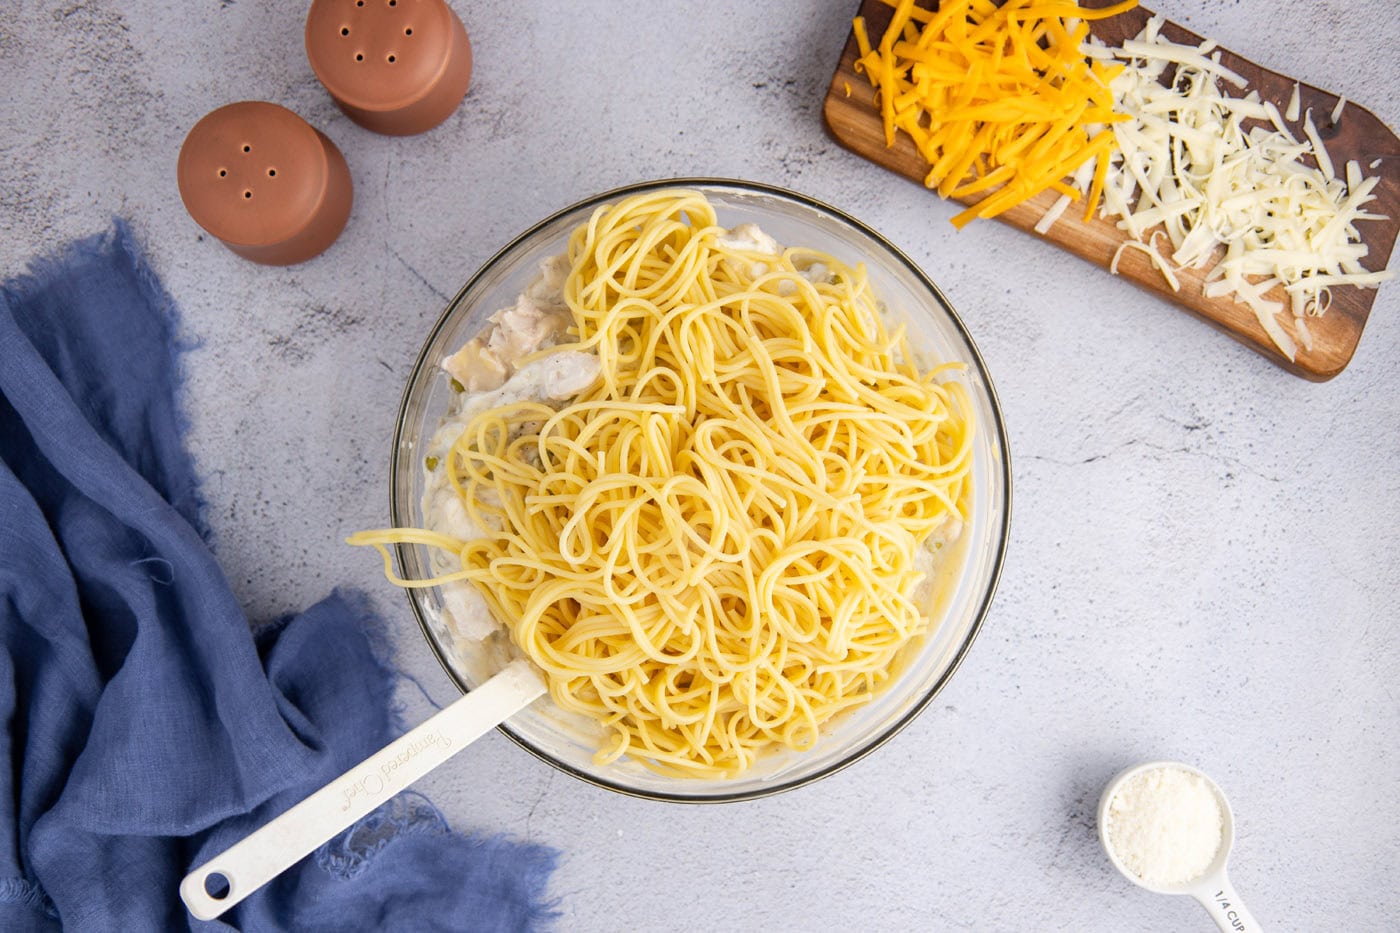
(250, 863)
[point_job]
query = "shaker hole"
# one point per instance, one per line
(345, 30)
(393, 2)
(359, 2)
(247, 194)
(408, 32)
(359, 56)
(247, 148)
(272, 173)
(223, 173)
(392, 59)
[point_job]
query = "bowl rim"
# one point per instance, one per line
(1002, 538)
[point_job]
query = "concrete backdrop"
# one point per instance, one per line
(1206, 550)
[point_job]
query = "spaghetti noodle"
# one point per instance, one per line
(716, 548)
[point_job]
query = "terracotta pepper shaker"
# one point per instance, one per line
(262, 180)
(394, 66)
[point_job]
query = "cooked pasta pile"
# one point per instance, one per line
(714, 550)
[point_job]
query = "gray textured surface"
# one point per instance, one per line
(1206, 554)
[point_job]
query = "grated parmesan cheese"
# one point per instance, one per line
(1166, 825)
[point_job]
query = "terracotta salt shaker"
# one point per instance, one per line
(397, 67)
(262, 180)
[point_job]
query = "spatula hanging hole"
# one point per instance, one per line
(216, 886)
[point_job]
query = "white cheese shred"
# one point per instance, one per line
(1052, 214)
(1324, 161)
(1151, 250)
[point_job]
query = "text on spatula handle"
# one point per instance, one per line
(371, 782)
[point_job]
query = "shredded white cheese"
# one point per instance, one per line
(1231, 186)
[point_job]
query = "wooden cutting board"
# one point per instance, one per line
(1358, 134)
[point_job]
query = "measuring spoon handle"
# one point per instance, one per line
(1226, 908)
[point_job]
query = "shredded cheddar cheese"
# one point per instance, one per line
(999, 99)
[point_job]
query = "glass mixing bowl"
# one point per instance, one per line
(969, 574)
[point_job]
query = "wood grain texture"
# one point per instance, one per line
(853, 119)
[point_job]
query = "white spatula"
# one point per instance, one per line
(255, 860)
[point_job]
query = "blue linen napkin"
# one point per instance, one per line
(145, 729)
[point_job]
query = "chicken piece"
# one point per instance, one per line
(537, 320)
(750, 238)
(524, 328)
(565, 375)
(478, 367)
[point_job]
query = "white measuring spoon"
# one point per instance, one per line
(1212, 888)
(256, 859)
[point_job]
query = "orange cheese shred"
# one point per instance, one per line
(999, 99)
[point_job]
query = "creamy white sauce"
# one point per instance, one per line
(489, 370)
